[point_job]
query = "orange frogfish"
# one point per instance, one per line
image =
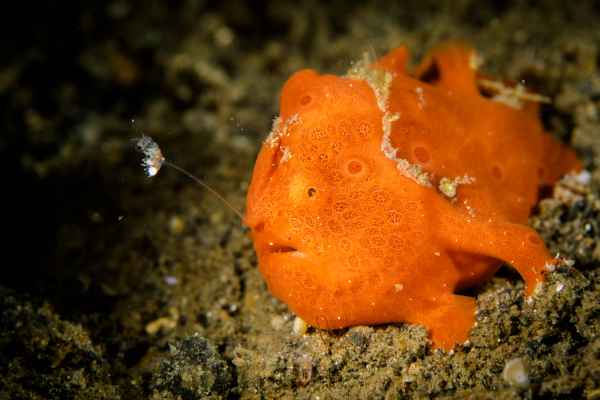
(380, 194)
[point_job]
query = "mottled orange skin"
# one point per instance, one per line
(345, 239)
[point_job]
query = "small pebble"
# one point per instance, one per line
(584, 177)
(171, 280)
(163, 323)
(176, 225)
(277, 322)
(515, 373)
(299, 327)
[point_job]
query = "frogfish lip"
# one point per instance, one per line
(276, 248)
(269, 243)
(274, 254)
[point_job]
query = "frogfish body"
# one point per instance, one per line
(380, 194)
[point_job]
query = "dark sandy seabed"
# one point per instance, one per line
(116, 286)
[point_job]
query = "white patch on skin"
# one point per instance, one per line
(378, 79)
(471, 211)
(511, 96)
(413, 171)
(420, 97)
(380, 82)
(509, 99)
(273, 138)
(386, 143)
(280, 129)
(475, 60)
(448, 187)
(287, 154)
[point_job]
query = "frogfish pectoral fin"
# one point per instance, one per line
(450, 322)
(516, 244)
